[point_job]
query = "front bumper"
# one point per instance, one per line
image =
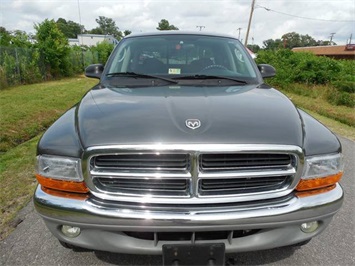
(104, 224)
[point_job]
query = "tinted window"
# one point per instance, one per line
(182, 55)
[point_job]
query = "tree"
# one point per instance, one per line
(291, 40)
(271, 44)
(307, 40)
(15, 38)
(325, 43)
(5, 37)
(294, 39)
(164, 25)
(103, 50)
(127, 32)
(70, 28)
(53, 46)
(107, 26)
(253, 47)
(20, 39)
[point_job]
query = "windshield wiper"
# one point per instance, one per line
(211, 77)
(139, 75)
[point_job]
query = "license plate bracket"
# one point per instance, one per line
(194, 254)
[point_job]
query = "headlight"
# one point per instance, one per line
(60, 173)
(321, 171)
(59, 168)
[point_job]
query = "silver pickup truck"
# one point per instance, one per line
(181, 148)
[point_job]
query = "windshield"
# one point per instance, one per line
(179, 56)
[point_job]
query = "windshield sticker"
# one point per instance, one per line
(174, 71)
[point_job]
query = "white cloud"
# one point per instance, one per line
(216, 15)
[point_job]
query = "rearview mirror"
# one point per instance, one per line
(94, 71)
(267, 71)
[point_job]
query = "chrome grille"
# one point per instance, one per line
(230, 186)
(232, 161)
(134, 186)
(155, 161)
(193, 174)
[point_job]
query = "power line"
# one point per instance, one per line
(290, 15)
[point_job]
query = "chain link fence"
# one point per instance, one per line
(26, 66)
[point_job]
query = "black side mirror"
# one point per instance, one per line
(266, 70)
(94, 71)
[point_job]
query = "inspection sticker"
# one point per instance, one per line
(174, 71)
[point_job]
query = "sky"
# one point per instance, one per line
(271, 18)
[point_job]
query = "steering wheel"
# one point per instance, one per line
(214, 66)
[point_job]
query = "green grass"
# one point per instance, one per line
(315, 98)
(335, 126)
(28, 110)
(17, 181)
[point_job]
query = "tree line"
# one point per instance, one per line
(107, 26)
(71, 29)
(46, 54)
(28, 58)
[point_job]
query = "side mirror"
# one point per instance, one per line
(94, 71)
(266, 70)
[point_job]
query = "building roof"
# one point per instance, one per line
(332, 50)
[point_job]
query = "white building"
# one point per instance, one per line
(92, 39)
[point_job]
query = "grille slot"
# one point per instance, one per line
(143, 161)
(228, 162)
(191, 237)
(173, 187)
(230, 186)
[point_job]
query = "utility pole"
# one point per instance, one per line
(81, 35)
(200, 27)
(331, 38)
(250, 17)
(239, 29)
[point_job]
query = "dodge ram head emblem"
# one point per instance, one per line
(193, 123)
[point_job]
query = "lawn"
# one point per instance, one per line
(28, 110)
(314, 98)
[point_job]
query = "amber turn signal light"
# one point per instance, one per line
(313, 192)
(315, 183)
(69, 186)
(64, 194)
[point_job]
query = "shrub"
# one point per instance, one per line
(54, 48)
(345, 85)
(3, 80)
(306, 68)
(103, 50)
(301, 67)
(337, 97)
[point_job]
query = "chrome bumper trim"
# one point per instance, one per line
(88, 214)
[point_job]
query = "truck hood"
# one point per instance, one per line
(232, 114)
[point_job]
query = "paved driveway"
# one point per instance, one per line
(32, 244)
